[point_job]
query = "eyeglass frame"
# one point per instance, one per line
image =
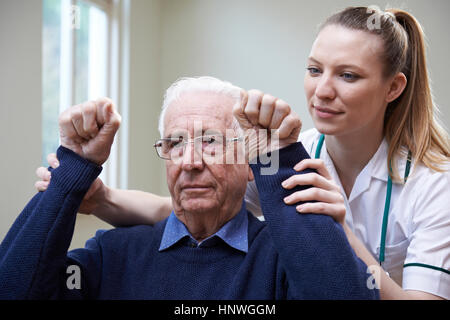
(185, 143)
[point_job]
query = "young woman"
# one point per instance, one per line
(381, 158)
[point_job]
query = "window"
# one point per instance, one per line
(81, 62)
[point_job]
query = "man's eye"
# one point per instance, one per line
(213, 141)
(175, 143)
(209, 139)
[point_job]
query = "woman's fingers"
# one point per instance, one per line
(52, 160)
(329, 203)
(336, 211)
(317, 164)
(324, 197)
(43, 174)
(314, 194)
(309, 179)
(41, 185)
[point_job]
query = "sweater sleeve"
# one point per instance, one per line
(314, 251)
(33, 255)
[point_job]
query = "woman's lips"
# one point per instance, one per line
(325, 113)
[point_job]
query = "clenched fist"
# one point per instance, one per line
(269, 123)
(88, 129)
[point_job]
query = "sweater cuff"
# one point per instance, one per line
(284, 159)
(74, 172)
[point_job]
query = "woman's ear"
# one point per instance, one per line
(398, 85)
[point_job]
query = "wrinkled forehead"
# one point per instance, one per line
(199, 112)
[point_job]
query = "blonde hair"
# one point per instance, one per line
(410, 121)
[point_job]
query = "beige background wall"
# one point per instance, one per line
(264, 44)
(259, 44)
(20, 105)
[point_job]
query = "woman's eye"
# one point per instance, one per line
(313, 71)
(349, 76)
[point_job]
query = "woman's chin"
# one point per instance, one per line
(327, 128)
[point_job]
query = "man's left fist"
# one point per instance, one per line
(88, 129)
(269, 123)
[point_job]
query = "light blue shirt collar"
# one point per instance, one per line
(234, 233)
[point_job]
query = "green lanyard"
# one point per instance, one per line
(387, 203)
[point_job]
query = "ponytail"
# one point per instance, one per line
(411, 120)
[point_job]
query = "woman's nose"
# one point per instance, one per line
(325, 89)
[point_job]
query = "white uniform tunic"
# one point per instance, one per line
(417, 251)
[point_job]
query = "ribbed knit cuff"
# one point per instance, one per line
(286, 159)
(74, 172)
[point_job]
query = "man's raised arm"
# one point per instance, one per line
(314, 251)
(33, 255)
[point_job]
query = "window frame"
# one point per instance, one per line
(115, 170)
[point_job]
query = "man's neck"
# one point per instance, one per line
(351, 153)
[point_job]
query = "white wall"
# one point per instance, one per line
(20, 105)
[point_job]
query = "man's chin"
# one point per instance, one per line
(198, 205)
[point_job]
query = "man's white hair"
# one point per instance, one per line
(198, 84)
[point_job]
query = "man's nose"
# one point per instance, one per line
(192, 157)
(325, 89)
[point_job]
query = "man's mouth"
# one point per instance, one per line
(195, 187)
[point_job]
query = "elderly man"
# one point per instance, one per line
(210, 247)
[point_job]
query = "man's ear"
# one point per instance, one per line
(251, 177)
(397, 87)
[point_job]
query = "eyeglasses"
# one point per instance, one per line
(211, 145)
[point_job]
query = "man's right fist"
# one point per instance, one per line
(88, 129)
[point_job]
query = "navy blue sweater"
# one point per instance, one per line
(291, 255)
